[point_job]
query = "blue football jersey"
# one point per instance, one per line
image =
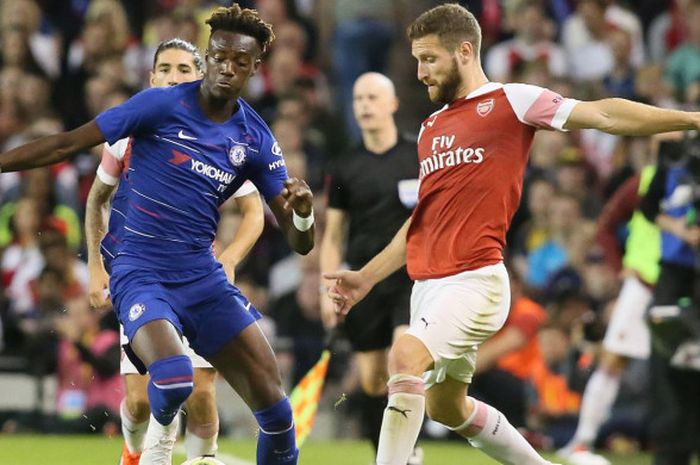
(183, 166)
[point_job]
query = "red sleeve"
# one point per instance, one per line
(617, 211)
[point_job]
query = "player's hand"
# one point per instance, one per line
(98, 286)
(350, 287)
(329, 317)
(298, 196)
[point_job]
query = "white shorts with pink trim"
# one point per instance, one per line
(452, 316)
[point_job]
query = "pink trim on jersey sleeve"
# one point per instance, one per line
(538, 106)
(110, 168)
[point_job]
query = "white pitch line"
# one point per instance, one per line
(223, 456)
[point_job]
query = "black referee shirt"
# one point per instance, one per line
(377, 192)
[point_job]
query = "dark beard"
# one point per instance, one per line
(448, 89)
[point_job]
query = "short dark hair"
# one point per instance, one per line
(452, 23)
(243, 21)
(180, 44)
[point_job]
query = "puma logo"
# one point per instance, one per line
(398, 410)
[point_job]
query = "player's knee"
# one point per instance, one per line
(201, 405)
(171, 384)
(408, 357)
(448, 404)
(374, 387)
(137, 404)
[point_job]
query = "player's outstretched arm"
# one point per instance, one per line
(95, 230)
(293, 208)
(248, 232)
(331, 257)
(352, 286)
(624, 117)
(51, 149)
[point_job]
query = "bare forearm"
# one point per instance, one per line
(300, 241)
(51, 149)
(624, 117)
(247, 234)
(95, 227)
(390, 259)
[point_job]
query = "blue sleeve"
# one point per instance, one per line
(141, 113)
(268, 170)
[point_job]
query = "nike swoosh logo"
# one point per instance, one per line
(184, 136)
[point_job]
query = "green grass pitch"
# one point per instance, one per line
(93, 450)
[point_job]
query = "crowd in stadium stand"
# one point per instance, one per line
(62, 63)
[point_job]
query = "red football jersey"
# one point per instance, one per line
(472, 155)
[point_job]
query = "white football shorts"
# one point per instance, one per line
(454, 314)
(628, 333)
(128, 368)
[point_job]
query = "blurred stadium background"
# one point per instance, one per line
(63, 62)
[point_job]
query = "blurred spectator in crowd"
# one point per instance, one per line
(89, 386)
(106, 34)
(683, 66)
(364, 35)
(532, 42)
(553, 255)
(534, 232)
(619, 82)
(26, 44)
(585, 38)
(668, 30)
(574, 179)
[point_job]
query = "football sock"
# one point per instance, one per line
(201, 440)
(134, 433)
(598, 399)
(276, 441)
(402, 420)
(372, 414)
(497, 437)
(170, 385)
(160, 442)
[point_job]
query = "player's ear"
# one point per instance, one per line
(465, 50)
(395, 105)
(151, 79)
(256, 65)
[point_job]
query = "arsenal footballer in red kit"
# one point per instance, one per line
(472, 156)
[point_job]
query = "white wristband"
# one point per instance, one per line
(303, 224)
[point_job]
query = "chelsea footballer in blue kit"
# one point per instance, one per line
(193, 146)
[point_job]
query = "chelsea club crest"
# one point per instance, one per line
(237, 155)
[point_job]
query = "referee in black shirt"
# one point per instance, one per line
(371, 192)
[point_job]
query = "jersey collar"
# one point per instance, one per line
(484, 89)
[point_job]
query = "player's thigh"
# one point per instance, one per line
(248, 365)
(373, 370)
(157, 340)
(446, 402)
(452, 316)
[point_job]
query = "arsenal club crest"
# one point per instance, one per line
(484, 107)
(237, 155)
